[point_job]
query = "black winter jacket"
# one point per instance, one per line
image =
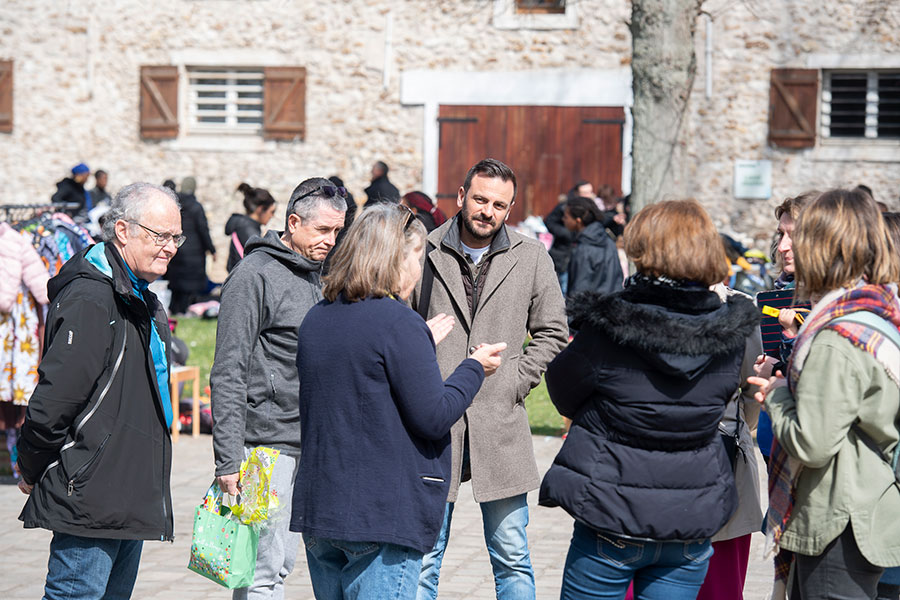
(95, 439)
(245, 228)
(69, 190)
(646, 381)
(594, 265)
(561, 249)
(381, 190)
(187, 269)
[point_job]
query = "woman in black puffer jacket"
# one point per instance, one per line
(646, 380)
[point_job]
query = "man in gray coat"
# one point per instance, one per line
(500, 287)
(254, 381)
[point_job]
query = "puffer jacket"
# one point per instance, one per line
(95, 441)
(19, 263)
(594, 264)
(646, 381)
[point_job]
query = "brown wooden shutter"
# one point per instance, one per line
(793, 105)
(6, 96)
(284, 103)
(159, 102)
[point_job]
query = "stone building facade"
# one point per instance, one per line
(378, 73)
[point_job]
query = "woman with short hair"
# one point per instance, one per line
(375, 415)
(643, 470)
(834, 501)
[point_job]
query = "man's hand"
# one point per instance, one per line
(230, 484)
(25, 488)
(440, 325)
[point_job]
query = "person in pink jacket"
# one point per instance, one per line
(19, 263)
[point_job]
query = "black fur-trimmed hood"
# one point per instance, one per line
(678, 330)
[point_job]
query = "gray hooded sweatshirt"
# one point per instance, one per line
(255, 388)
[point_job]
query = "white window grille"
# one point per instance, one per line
(225, 100)
(861, 104)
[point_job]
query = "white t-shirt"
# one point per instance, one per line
(475, 253)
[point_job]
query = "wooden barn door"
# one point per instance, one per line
(548, 147)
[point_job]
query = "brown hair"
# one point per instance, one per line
(368, 261)
(677, 239)
(839, 238)
(793, 206)
(892, 225)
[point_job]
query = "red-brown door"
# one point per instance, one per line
(548, 147)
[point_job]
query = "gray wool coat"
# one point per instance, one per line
(520, 296)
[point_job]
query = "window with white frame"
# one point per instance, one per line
(861, 104)
(225, 100)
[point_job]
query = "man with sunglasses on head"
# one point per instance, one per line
(254, 381)
(95, 451)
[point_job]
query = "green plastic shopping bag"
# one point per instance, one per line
(222, 548)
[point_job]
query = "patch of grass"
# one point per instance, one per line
(200, 336)
(542, 415)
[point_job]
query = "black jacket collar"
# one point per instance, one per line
(685, 321)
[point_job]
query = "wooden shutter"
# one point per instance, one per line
(159, 102)
(284, 103)
(793, 104)
(6, 96)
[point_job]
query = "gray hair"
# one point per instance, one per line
(306, 208)
(130, 204)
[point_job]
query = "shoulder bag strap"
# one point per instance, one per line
(237, 244)
(427, 284)
(892, 334)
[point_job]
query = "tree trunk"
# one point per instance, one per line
(663, 67)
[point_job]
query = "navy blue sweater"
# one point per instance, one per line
(375, 418)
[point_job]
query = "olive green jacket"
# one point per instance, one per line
(842, 480)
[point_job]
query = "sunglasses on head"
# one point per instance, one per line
(329, 191)
(410, 216)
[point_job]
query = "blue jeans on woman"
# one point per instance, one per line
(82, 568)
(601, 565)
(361, 570)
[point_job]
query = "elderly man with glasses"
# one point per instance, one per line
(95, 451)
(255, 386)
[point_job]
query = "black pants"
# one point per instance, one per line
(180, 301)
(841, 572)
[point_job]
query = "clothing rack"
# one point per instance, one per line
(13, 213)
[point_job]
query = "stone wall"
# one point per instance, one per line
(77, 89)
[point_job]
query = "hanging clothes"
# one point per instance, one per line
(19, 349)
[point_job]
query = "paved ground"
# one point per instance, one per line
(466, 574)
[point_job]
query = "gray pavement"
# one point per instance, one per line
(466, 572)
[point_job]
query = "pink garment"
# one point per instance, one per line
(19, 263)
(727, 570)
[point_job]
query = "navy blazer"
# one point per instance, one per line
(375, 418)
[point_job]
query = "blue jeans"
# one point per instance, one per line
(83, 568)
(507, 544)
(361, 570)
(601, 565)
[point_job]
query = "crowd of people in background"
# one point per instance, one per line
(387, 355)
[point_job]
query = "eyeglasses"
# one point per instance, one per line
(161, 239)
(410, 217)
